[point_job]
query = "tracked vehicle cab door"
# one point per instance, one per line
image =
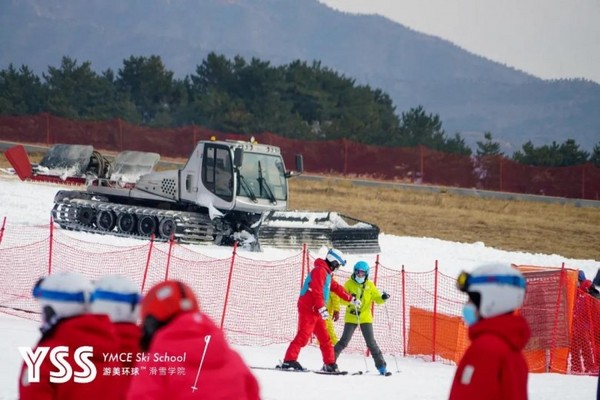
(217, 171)
(208, 176)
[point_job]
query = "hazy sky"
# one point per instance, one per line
(547, 38)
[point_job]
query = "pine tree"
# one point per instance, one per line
(489, 147)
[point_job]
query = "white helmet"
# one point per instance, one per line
(335, 258)
(66, 293)
(116, 296)
(500, 288)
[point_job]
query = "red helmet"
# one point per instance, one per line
(168, 299)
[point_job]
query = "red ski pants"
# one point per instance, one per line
(309, 322)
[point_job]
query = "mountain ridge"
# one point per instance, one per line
(470, 93)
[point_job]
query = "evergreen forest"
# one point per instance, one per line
(299, 100)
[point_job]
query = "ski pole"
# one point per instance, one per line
(390, 329)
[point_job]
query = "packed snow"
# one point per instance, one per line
(30, 204)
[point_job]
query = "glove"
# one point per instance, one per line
(324, 313)
(385, 296)
(356, 302)
(336, 315)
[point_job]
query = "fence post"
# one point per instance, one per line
(557, 310)
(304, 258)
(434, 322)
(50, 246)
(147, 262)
(403, 311)
(583, 181)
(501, 174)
(171, 241)
(119, 124)
(2, 229)
(422, 163)
(228, 284)
(375, 281)
(47, 128)
(345, 143)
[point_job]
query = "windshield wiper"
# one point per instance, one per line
(263, 182)
(247, 188)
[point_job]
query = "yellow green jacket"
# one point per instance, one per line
(367, 293)
(333, 304)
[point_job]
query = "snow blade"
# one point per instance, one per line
(70, 159)
(292, 229)
(128, 166)
(18, 158)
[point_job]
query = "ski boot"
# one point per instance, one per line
(332, 368)
(293, 364)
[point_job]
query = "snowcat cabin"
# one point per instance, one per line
(235, 175)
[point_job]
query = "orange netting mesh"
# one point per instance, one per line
(255, 300)
(337, 157)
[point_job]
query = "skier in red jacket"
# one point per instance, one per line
(187, 354)
(493, 367)
(64, 299)
(312, 311)
(582, 337)
(118, 297)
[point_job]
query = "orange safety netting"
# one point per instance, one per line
(254, 301)
(337, 157)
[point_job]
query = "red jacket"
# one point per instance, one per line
(85, 330)
(129, 339)
(493, 367)
(316, 288)
(224, 375)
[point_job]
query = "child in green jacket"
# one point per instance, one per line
(365, 290)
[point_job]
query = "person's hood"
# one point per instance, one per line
(319, 262)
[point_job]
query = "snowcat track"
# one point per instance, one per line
(188, 227)
(290, 230)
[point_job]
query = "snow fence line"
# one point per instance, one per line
(249, 297)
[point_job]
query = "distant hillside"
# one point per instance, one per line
(470, 93)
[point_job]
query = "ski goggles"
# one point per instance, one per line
(465, 280)
(55, 295)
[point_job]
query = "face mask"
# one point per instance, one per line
(359, 279)
(469, 312)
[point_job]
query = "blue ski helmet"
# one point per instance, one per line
(361, 266)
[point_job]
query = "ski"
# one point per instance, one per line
(277, 368)
(330, 373)
(367, 373)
